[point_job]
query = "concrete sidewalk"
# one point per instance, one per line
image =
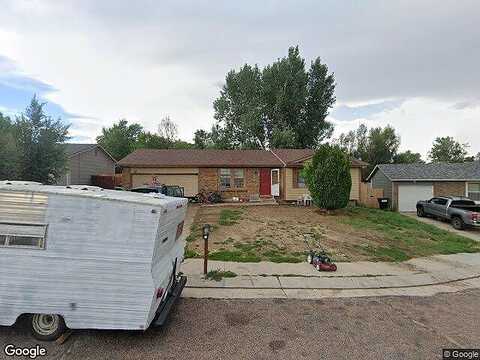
(422, 276)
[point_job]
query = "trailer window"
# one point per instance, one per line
(16, 235)
(28, 241)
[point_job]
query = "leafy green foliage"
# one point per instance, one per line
(39, 139)
(9, 156)
(218, 275)
(408, 157)
(202, 140)
(328, 177)
(122, 138)
(447, 149)
(282, 105)
(374, 146)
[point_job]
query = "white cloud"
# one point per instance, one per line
(419, 121)
(144, 60)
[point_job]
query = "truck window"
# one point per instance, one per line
(31, 236)
(463, 203)
(439, 201)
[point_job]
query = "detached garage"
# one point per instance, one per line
(405, 184)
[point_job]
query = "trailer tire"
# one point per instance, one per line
(458, 223)
(46, 327)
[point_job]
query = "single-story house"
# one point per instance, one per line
(85, 161)
(235, 173)
(405, 184)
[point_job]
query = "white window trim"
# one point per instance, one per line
(26, 247)
(466, 187)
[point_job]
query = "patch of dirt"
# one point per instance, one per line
(276, 345)
(285, 228)
(237, 319)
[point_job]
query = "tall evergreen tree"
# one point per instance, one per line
(40, 147)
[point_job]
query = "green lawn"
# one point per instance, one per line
(404, 237)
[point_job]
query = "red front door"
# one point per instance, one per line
(265, 182)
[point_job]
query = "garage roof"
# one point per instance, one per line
(428, 172)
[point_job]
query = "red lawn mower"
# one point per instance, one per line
(321, 261)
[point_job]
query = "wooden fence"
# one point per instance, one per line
(107, 181)
(369, 195)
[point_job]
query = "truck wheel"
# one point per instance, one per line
(420, 212)
(46, 327)
(458, 223)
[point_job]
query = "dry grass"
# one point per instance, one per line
(285, 233)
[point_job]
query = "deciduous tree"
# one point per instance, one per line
(447, 149)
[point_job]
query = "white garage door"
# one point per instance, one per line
(188, 181)
(409, 194)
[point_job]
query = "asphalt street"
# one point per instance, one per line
(352, 328)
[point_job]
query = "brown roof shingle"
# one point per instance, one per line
(219, 158)
(200, 158)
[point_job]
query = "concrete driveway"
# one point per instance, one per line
(473, 234)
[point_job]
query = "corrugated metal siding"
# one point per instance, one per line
(23, 206)
(96, 270)
(380, 181)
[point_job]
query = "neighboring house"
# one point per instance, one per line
(405, 184)
(84, 161)
(239, 173)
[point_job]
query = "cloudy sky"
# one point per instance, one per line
(411, 64)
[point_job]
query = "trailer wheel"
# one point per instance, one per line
(458, 223)
(46, 327)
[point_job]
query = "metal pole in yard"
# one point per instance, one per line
(206, 234)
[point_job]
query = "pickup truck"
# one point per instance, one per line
(460, 211)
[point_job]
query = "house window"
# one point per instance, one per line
(474, 191)
(225, 179)
(238, 178)
(232, 179)
(298, 180)
(30, 236)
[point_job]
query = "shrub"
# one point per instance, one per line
(328, 177)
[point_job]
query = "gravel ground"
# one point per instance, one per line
(360, 328)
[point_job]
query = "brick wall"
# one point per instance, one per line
(127, 178)
(449, 188)
(208, 181)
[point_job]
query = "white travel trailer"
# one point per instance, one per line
(82, 257)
